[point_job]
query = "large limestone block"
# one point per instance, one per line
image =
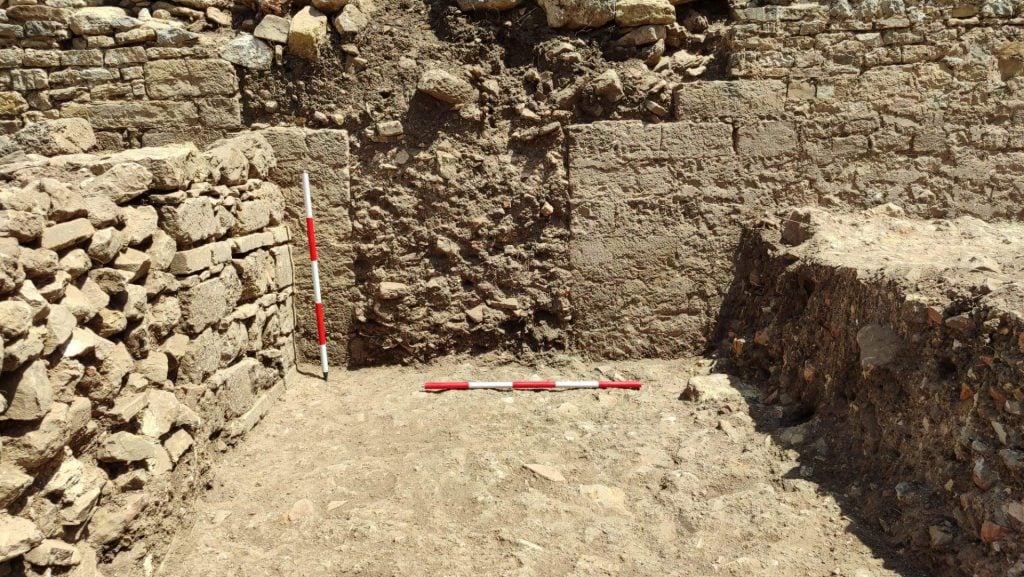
(121, 183)
(137, 114)
(97, 20)
(308, 34)
(578, 13)
(181, 79)
(248, 51)
(28, 393)
(57, 136)
(274, 28)
(172, 167)
(67, 234)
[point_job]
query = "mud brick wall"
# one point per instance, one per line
(140, 81)
(146, 320)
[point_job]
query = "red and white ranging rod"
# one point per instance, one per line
(311, 236)
(529, 385)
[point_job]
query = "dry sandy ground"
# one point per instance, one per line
(366, 475)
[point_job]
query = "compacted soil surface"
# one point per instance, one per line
(367, 475)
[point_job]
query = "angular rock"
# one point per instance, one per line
(54, 553)
(121, 183)
(172, 167)
(28, 393)
(308, 34)
(17, 536)
(447, 87)
(39, 263)
(133, 262)
(97, 20)
(23, 350)
(57, 136)
(23, 226)
(713, 387)
(204, 304)
(141, 223)
(392, 290)
(67, 234)
(191, 221)
(79, 304)
(15, 319)
(106, 244)
(546, 472)
(163, 316)
(59, 326)
(75, 263)
(125, 447)
(608, 86)
(630, 13)
(30, 295)
(177, 444)
(13, 482)
(578, 13)
(274, 28)
(248, 51)
(350, 20)
(102, 212)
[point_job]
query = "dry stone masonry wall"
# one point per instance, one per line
(146, 319)
(139, 79)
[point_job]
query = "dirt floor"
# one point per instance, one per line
(367, 475)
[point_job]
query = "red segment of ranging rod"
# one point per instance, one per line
(529, 385)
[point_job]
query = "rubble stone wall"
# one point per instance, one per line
(146, 321)
(140, 80)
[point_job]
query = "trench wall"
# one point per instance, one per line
(840, 105)
(146, 316)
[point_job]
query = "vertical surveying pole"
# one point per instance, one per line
(311, 236)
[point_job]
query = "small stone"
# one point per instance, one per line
(711, 388)
(546, 472)
(307, 34)
(13, 482)
(59, 326)
(218, 16)
(472, 5)
(608, 86)
(351, 20)
(24, 226)
(392, 290)
(477, 313)
(133, 262)
(390, 129)
(329, 6)
(274, 28)
(991, 532)
(446, 87)
(75, 263)
(630, 13)
(177, 444)
(302, 509)
(612, 498)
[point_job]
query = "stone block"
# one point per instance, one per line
(128, 114)
(67, 234)
(57, 136)
(308, 33)
(183, 79)
(729, 99)
(191, 221)
(767, 139)
(28, 393)
(204, 305)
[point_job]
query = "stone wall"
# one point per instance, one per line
(138, 79)
(146, 317)
(842, 107)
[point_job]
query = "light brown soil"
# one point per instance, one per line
(401, 482)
